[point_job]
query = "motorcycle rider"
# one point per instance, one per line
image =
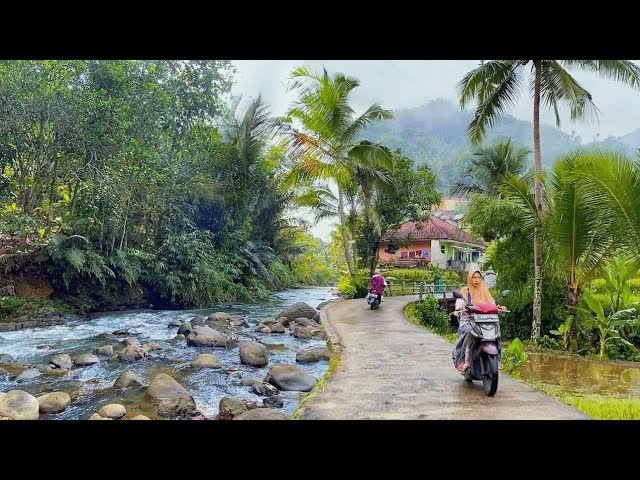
(377, 283)
(476, 291)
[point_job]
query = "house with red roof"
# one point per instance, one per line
(434, 242)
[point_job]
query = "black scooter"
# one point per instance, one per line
(484, 346)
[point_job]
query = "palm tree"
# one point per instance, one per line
(582, 217)
(489, 167)
(327, 146)
(496, 84)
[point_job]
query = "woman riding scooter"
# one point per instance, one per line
(475, 292)
(377, 283)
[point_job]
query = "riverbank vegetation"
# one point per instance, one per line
(141, 182)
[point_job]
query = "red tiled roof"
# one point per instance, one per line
(433, 229)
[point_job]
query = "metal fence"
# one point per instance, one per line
(420, 289)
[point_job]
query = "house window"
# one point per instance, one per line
(403, 254)
(442, 249)
(475, 256)
(457, 255)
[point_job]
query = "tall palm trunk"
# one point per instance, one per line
(537, 233)
(345, 238)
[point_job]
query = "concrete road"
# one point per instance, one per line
(393, 369)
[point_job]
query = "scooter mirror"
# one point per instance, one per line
(457, 294)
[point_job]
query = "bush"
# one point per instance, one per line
(513, 357)
(13, 307)
(430, 313)
(357, 287)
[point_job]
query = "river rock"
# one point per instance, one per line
(290, 377)
(262, 414)
(254, 354)
(206, 360)
(19, 405)
(62, 361)
(54, 402)
(299, 309)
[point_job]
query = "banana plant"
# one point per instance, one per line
(564, 331)
(608, 326)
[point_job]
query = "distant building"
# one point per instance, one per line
(435, 242)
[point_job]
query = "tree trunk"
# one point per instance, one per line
(537, 233)
(573, 295)
(354, 247)
(345, 238)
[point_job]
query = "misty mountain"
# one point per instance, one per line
(436, 134)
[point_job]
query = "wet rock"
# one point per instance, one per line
(198, 320)
(95, 416)
(132, 353)
(19, 405)
(54, 402)
(152, 346)
(254, 354)
(273, 402)
(179, 337)
(306, 357)
(230, 407)
(85, 359)
(248, 381)
(44, 346)
(316, 318)
(267, 321)
(277, 328)
(206, 337)
(321, 352)
(6, 358)
(174, 399)
(265, 389)
(28, 374)
(290, 377)
(304, 322)
(62, 361)
(140, 417)
(238, 322)
(297, 310)
(206, 360)
(177, 407)
(284, 321)
(129, 379)
(222, 316)
(113, 410)
(301, 332)
(175, 323)
(131, 341)
(105, 350)
(262, 414)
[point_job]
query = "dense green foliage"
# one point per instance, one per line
(114, 173)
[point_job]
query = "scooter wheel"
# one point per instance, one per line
(490, 380)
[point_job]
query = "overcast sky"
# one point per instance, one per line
(396, 84)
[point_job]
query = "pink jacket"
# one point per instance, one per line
(377, 283)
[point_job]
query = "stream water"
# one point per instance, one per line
(90, 387)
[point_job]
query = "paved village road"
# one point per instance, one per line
(393, 369)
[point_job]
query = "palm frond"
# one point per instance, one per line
(517, 191)
(373, 114)
(496, 94)
(558, 85)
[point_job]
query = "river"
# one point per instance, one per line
(90, 387)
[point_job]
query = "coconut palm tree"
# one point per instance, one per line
(323, 130)
(592, 198)
(495, 86)
(489, 167)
